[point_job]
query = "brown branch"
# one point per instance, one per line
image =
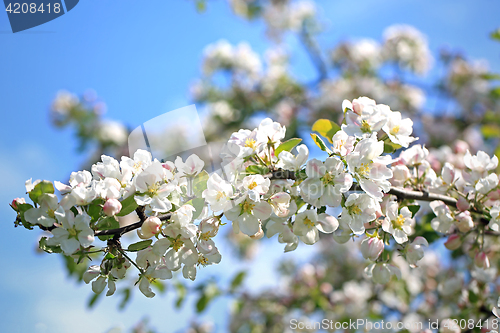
(276, 174)
(422, 196)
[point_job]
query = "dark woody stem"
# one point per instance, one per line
(286, 174)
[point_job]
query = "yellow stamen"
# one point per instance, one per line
(354, 210)
(308, 223)
(251, 143)
(365, 127)
(364, 169)
(202, 260)
(395, 130)
(220, 195)
(398, 223)
(252, 185)
(247, 207)
(177, 244)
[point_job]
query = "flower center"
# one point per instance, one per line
(177, 244)
(220, 195)
(205, 236)
(247, 207)
(202, 260)
(153, 190)
(328, 179)
(137, 166)
(50, 213)
(365, 127)
(353, 210)
(395, 130)
(252, 185)
(398, 223)
(308, 223)
(72, 232)
(364, 169)
(251, 143)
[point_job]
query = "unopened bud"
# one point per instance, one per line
(149, 228)
(481, 260)
(112, 207)
(462, 204)
(371, 248)
(16, 202)
(453, 242)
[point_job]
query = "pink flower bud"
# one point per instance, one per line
(462, 204)
(372, 247)
(453, 242)
(17, 201)
(461, 147)
(149, 228)
(481, 260)
(112, 207)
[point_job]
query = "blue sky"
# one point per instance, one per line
(140, 58)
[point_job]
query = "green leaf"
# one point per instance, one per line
(42, 244)
(257, 169)
(128, 206)
(139, 245)
(107, 223)
(126, 297)
(159, 285)
(94, 212)
(495, 34)
(198, 204)
(200, 183)
(326, 128)
(238, 280)
(202, 303)
(93, 300)
(287, 146)
(42, 187)
(320, 143)
(490, 131)
(181, 292)
(390, 147)
(473, 297)
(413, 209)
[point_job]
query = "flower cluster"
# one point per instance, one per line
(264, 188)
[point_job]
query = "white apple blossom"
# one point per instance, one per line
(414, 155)
(343, 144)
(415, 250)
(256, 185)
(246, 216)
(487, 184)
(45, 213)
(358, 210)
(495, 217)
(154, 185)
(464, 221)
(218, 193)
(369, 168)
(75, 232)
(308, 223)
(480, 164)
(399, 130)
(400, 174)
(399, 225)
(325, 183)
(444, 218)
(285, 233)
(272, 131)
(244, 143)
(364, 117)
(288, 161)
(381, 272)
(142, 159)
(191, 167)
